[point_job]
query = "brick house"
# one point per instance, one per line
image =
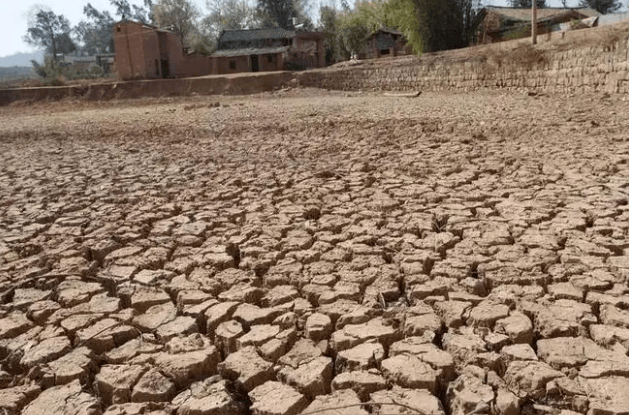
(385, 42)
(147, 52)
(268, 49)
(497, 24)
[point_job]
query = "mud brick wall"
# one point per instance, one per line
(580, 61)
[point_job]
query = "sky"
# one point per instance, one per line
(14, 17)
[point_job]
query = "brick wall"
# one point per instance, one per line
(578, 61)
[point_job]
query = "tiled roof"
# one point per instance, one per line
(518, 14)
(249, 51)
(246, 35)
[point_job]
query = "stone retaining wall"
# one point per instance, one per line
(580, 61)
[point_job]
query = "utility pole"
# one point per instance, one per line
(534, 21)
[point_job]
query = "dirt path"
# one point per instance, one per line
(300, 250)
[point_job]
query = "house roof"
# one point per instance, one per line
(524, 14)
(385, 30)
(249, 51)
(245, 35)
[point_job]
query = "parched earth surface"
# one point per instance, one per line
(300, 251)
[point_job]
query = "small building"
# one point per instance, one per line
(497, 24)
(385, 42)
(268, 49)
(147, 52)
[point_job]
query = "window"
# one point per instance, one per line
(270, 57)
(232, 65)
(385, 51)
(118, 28)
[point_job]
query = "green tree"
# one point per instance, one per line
(50, 31)
(95, 32)
(279, 12)
(602, 6)
(446, 24)
(328, 23)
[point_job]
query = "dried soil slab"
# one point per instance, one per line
(408, 371)
(425, 351)
(76, 365)
(419, 399)
(146, 343)
(73, 292)
(218, 314)
(609, 335)
(114, 382)
(465, 393)
(67, 399)
(208, 397)
(312, 377)
(562, 318)
(530, 377)
(153, 387)
(105, 335)
(486, 314)
(614, 316)
(187, 359)
(246, 368)
(318, 327)
(258, 335)
(354, 334)
(275, 398)
(226, 335)
(608, 395)
(362, 357)
(46, 351)
(145, 408)
(517, 326)
(362, 382)
(12, 400)
(574, 352)
(337, 399)
(13, 325)
(155, 316)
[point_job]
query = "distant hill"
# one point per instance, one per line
(21, 59)
(16, 72)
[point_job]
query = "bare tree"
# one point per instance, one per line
(179, 15)
(229, 14)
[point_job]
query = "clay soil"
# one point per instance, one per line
(303, 250)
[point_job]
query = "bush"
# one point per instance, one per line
(52, 73)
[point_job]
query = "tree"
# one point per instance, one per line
(278, 12)
(50, 31)
(179, 15)
(229, 15)
(527, 4)
(95, 32)
(602, 6)
(446, 24)
(328, 22)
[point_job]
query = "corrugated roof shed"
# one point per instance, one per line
(246, 35)
(524, 15)
(249, 51)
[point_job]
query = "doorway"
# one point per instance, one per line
(165, 69)
(255, 66)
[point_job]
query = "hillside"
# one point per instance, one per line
(16, 72)
(21, 59)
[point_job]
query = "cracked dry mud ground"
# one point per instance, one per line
(273, 255)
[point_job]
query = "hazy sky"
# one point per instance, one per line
(14, 16)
